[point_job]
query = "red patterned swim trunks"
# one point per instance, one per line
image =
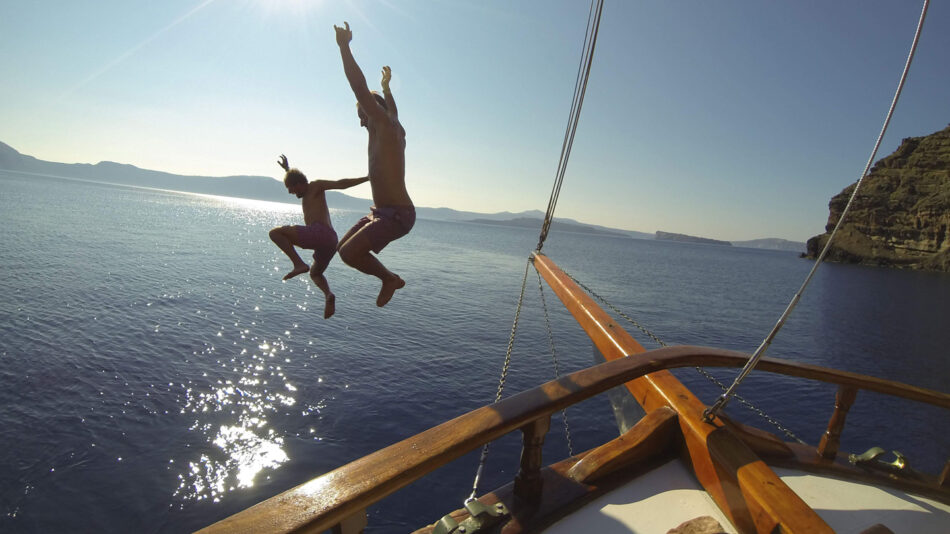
(386, 224)
(319, 238)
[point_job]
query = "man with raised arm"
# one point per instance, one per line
(317, 234)
(393, 214)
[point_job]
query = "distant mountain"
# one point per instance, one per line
(556, 225)
(683, 238)
(448, 214)
(253, 187)
(256, 187)
(629, 233)
(267, 188)
(772, 244)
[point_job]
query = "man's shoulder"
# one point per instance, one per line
(389, 126)
(318, 187)
(386, 121)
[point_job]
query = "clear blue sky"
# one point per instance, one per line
(729, 120)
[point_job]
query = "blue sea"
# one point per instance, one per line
(157, 375)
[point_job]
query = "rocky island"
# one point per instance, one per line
(901, 216)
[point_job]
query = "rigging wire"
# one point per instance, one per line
(501, 380)
(580, 89)
(711, 412)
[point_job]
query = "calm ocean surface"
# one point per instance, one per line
(156, 375)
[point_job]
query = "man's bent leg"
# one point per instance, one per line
(355, 252)
(317, 276)
(285, 237)
(349, 233)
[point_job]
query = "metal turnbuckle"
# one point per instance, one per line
(482, 518)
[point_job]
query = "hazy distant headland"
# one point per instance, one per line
(267, 188)
(667, 236)
(559, 225)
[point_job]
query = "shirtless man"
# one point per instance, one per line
(318, 234)
(393, 214)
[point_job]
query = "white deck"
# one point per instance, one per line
(852, 507)
(669, 495)
(653, 503)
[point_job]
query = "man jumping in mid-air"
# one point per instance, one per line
(318, 234)
(393, 214)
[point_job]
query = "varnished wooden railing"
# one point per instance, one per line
(329, 499)
(749, 493)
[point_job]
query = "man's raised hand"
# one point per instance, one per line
(343, 35)
(387, 75)
(283, 162)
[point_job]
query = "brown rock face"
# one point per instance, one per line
(901, 216)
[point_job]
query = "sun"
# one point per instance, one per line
(288, 7)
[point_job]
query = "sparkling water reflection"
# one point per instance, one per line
(232, 415)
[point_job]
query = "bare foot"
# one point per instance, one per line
(330, 306)
(389, 287)
(300, 269)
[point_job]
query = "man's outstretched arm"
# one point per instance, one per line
(353, 73)
(387, 94)
(343, 183)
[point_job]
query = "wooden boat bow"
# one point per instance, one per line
(747, 491)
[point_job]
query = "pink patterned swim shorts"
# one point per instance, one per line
(386, 224)
(319, 238)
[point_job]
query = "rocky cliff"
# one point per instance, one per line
(901, 216)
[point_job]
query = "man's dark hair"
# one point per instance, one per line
(294, 176)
